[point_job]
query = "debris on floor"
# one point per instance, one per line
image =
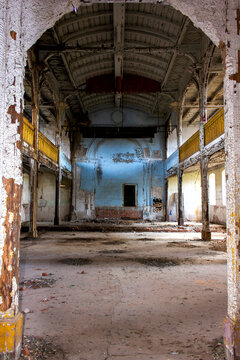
(76, 261)
(158, 262)
(37, 283)
(116, 242)
(37, 348)
(181, 244)
(146, 239)
(218, 245)
(114, 251)
(218, 350)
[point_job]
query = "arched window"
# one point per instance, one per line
(212, 189)
(223, 188)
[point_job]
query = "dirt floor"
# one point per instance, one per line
(127, 295)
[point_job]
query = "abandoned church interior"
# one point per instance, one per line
(119, 179)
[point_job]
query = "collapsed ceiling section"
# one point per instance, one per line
(123, 55)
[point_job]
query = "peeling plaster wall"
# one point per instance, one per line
(65, 199)
(172, 160)
(108, 164)
(172, 142)
(46, 197)
(12, 61)
(232, 149)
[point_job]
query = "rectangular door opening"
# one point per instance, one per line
(129, 195)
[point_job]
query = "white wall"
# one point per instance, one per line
(192, 198)
(218, 211)
(46, 198)
(188, 131)
(25, 207)
(172, 142)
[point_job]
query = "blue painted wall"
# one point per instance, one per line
(172, 160)
(110, 163)
(118, 162)
(105, 165)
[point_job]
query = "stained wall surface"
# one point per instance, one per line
(111, 163)
(46, 198)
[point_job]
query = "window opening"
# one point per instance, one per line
(223, 187)
(212, 189)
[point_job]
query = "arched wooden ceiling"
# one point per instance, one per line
(150, 40)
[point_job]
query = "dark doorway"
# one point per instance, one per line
(129, 193)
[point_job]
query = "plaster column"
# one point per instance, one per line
(232, 150)
(11, 90)
(165, 197)
(33, 64)
(202, 79)
(61, 106)
(75, 148)
(206, 234)
(180, 215)
(31, 179)
(180, 198)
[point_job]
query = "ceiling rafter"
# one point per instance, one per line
(195, 101)
(156, 18)
(149, 32)
(105, 29)
(108, 13)
(155, 67)
(77, 61)
(82, 18)
(140, 96)
(173, 58)
(138, 48)
(103, 64)
(89, 74)
(118, 35)
(82, 74)
(88, 59)
(72, 81)
(83, 34)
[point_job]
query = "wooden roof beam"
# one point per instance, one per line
(119, 29)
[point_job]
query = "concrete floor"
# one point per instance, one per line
(132, 301)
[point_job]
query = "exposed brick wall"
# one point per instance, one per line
(118, 213)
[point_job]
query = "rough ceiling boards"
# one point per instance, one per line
(154, 41)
